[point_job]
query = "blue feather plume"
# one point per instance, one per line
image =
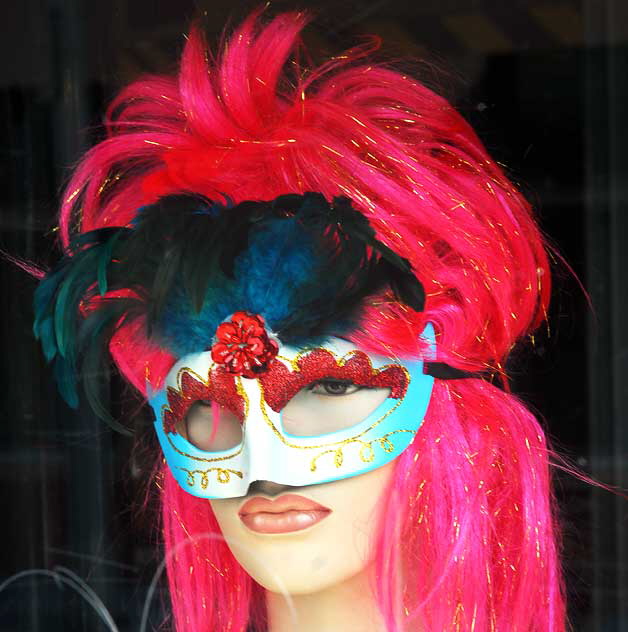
(186, 264)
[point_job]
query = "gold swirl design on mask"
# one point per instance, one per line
(367, 453)
(241, 392)
(223, 475)
(340, 361)
(341, 442)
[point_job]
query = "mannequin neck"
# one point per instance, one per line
(346, 607)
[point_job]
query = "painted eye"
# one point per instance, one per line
(333, 387)
(330, 405)
(210, 427)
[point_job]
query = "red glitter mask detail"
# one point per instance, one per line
(243, 346)
(281, 385)
(220, 388)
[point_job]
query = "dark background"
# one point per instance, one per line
(546, 86)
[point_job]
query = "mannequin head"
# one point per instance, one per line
(309, 560)
(463, 513)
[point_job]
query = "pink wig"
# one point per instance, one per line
(468, 522)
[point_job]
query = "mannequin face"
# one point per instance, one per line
(299, 537)
(313, 415)
(332, 550)
(310, 415)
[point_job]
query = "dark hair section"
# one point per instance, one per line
(186, 263)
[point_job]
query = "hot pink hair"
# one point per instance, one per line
(468, 522)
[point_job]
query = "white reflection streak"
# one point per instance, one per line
(61, 575)
(92, 558)
(231, 542)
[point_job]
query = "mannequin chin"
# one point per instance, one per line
(321, 556)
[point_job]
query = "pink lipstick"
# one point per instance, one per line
(284, 514)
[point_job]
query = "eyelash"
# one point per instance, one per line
(335, 382)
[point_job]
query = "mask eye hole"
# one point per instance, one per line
(210, 427)
(333, 387)
(330, 405)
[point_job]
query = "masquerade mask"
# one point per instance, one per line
(247, 409)
(309, 416)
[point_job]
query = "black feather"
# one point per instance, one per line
(184, 247)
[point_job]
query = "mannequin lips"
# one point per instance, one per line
(285, 514)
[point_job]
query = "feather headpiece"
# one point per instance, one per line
(186, 264)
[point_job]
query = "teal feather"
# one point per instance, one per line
(104, 260)
(72, 290)
(66, 382)
(46, 334)
(44, 296)
(97, 329)
(57, 301)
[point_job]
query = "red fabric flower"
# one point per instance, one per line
(243, 346)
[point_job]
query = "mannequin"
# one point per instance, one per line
(248, 217)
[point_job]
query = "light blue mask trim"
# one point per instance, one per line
(290, 460)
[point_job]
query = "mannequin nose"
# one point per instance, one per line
(268, 488)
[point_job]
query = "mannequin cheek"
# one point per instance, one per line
(332, 551)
